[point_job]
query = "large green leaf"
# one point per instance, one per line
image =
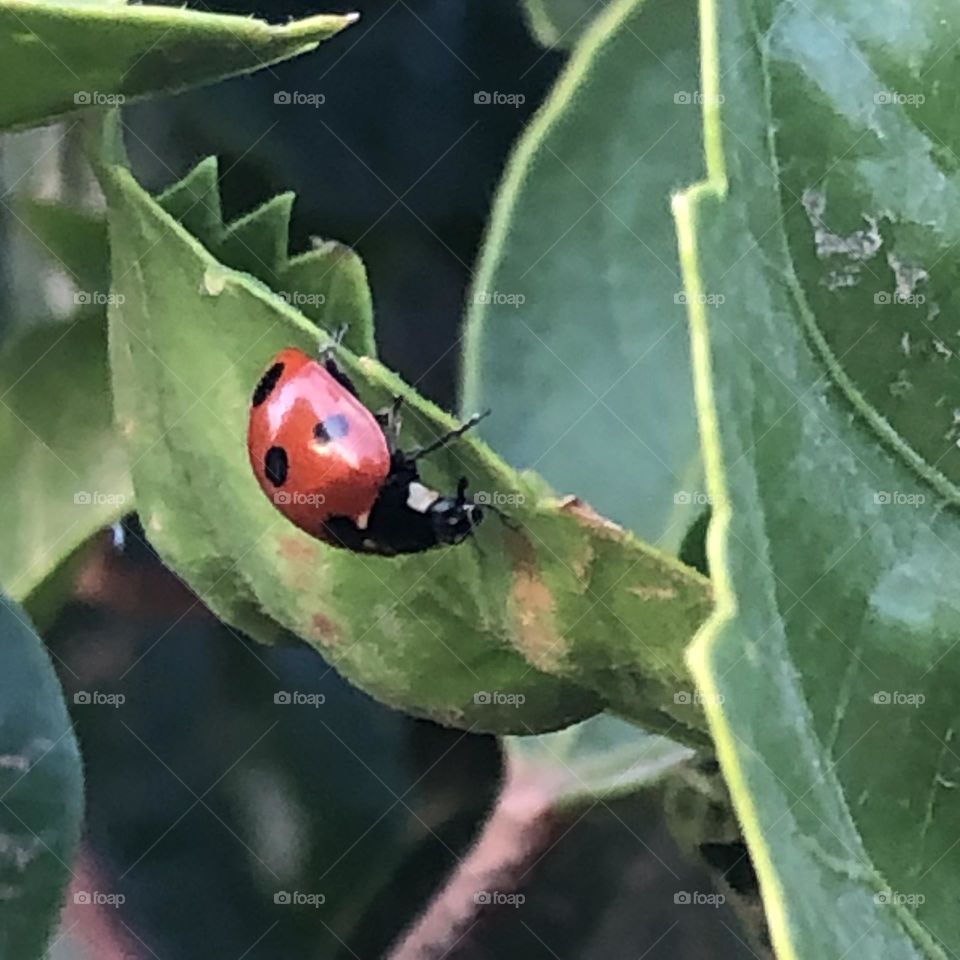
(41, 789)
(58, 57)
(63, 467)
(538, 613)
(830, 670)
(577, 325)
(582, 229)
(869, 193)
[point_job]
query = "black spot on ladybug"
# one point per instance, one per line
(267, 382)
(275, 465)
(333, 428)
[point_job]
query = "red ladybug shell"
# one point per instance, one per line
(316, 450)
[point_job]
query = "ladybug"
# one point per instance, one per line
(336, 470)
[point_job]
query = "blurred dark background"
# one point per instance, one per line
(204, 799)
(399, 161)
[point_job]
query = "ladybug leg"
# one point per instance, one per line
(333, 368)
(454, 434)
(390, 420)
(336, 340)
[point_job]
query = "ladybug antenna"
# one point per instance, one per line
(505, 518)
(454, 434)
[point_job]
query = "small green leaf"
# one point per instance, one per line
(578, 296)
(601, 758)
(194, 200)
(257, 243)
(517, 630)
(59, 57)
(41, 789)
(63, 465)
(829, 672)
(327, 284)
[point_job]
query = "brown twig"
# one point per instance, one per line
(521, 826)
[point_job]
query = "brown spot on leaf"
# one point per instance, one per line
(589, 517)
(535, 628)
(301, 559)
(297, 548)
(325, 629)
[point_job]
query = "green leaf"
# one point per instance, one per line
(517, 630)
(330, 281)
(578, 296)
(601, 758)
(194, 200)
(257, 243)
(559, 23)
(829, 672)
(74, 237)
(58, 57)
(41, 786)
(869, 198)
(63, 465)
(328, 284)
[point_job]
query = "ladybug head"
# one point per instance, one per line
(454, 518)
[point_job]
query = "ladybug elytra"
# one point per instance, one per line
(335, 469)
